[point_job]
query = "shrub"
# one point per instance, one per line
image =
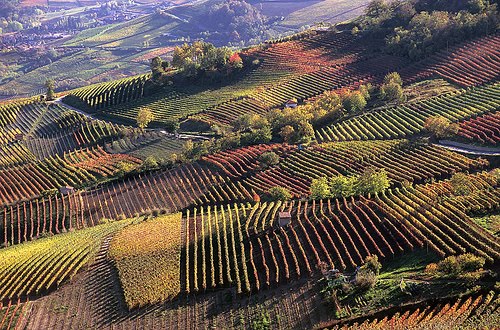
(460, 184)
(372, 264)
(449, 266)
(269, 159)
(470, 263)
(440, 127)
(279, 194)
(365, 280)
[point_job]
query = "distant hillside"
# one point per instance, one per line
(130, 45)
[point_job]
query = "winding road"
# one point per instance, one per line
(468, 148)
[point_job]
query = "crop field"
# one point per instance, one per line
(313, 187)
(149, 270)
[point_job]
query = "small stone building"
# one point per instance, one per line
(284, 218)
(66, 190)
(292, 103)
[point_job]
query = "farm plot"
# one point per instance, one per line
(408, 120)
(36, 267)
(148, 257)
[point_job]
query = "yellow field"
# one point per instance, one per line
(147, 256)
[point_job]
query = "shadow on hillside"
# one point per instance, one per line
(208, 309)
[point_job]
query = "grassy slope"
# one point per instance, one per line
(325, 11)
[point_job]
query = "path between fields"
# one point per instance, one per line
(182, 136)
(468, 148)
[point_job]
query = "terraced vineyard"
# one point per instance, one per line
(74, 169)
(228, 245)
(484, 129)
(407, 120)
(109, 93)
(476, 311)
(360, 224)
(56, 259)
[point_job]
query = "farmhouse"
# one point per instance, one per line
(292, 103)
(66, 190)
(284, 218)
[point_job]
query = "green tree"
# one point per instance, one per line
(440, 127)
(171, 126)
(258, 136)
(144, 117)
(393, 78)
(150, 163)
(279, 194)
(372, 181)
(342, 186)
(50, 85)
(392, 92)
(354, 102)
(269, 159)
(157, 69)
(320, 188)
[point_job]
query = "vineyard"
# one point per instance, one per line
(149, 270)
(228, 245)
(350, 209)
(407, 120)
(473, 311)
(484, 129)
(33, 268)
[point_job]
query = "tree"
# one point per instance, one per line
(440, 127)
(157, 69)
(144, 117)
(171, 126)
(279, 194)
(287, 133)
(394, 78)
(392, 92)
(150, 163)
(372, 181)
(250, 121)
(269, 159)
(320, 188)
(342, 186)
(263, 135)
(460, 184)
(392, 88)
(50, 84)
(298, 119)
(354, 102)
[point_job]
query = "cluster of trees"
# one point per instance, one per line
(340, 287)
(235, 21)
(369, 182)
(392, 88)
(196, 59)
(440, 127)
(296, 125)
(466, 266)
(15, 18)
(417, 28)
